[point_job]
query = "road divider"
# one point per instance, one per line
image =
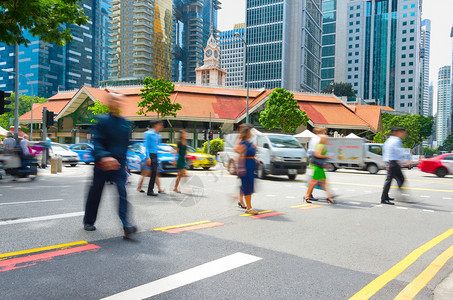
(381, 281)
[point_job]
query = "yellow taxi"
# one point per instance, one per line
(197, 159)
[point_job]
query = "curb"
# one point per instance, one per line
(444, 291)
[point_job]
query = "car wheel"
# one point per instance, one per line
(441, 172)
(73, 165)
(232, 168)
(189, 164)
(292, 176)
(372, 168)
(206, 168)
(331, 168)
(261, 172)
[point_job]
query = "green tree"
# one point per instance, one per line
(156, 98)
(418, 128)
(44, 18)
(215, 146)
(340, 89)
(429, 152)
(283, 112)
(448, 144)
(98, 108)
(24, 106)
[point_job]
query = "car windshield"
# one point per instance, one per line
(59, 147)
(191, 150)
(166, 148)
(284, 141)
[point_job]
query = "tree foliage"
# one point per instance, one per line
(418, 128)
(448, 144)
(429, 152)
(156, 98)
(215, 146)
(340, 89)
(283, 112)
(47, 19)
(24, 106)
(98, 108)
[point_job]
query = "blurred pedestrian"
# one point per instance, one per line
(24, 145)
(180, 158)
(311, 148)
(146, 171)
(393, 153)
(111, 139)
(319, 175)
(9, 143)
(246, 167)
(152, 141)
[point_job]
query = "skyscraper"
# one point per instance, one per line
(193, 23)
(383, 52)
(284, 44)
(142, 39)
(232, 55)
(424, 55)
(51, 68)
(443, 104)
(431, 99)
(333, 67)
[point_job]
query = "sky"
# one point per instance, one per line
(438, 11)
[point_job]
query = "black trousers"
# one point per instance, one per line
(394, 172)
(152, 176)
(100, 176)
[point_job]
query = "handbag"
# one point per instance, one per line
(316, 161)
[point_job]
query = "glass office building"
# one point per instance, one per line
(142, 39)
(232, 55)
(193, 22)
(284, 44)
(426, 109)
(51, 68)
(443, 126)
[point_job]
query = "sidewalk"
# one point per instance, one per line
(444, 291)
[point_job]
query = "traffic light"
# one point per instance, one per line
(4, 102)
(211, 135)
(49, 118)
(205, 133)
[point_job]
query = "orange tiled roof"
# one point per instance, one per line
(370, 113)
(55, 105)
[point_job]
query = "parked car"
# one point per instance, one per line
(441, 165)
(197, 159)
(85, 152)
(68, 156)
(136, 157)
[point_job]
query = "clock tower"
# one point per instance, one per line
(210, 73)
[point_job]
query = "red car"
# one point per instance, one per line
(440, 165)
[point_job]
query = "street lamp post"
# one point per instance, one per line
(246, 73)
(32, 97)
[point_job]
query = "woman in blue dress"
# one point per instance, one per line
(246, 168)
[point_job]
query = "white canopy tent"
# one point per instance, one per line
(353, 136)
(3, 132)
(305, 136)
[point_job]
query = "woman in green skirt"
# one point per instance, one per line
(180, 158)
(319, 175)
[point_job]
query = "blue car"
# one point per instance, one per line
(136, 158)
(85, 152)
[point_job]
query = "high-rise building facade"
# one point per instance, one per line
(431, 99)
(51, 68)
(284, 44)
(193, 23)
(425, 55)
(383, 52)
(142, 39)
(232, 55)
(333, 66)
(443, 104)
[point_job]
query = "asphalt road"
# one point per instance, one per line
(204, 248)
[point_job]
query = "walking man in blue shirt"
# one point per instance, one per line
(393, 152)
(111, 139)
(152, 141)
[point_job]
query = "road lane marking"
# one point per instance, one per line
(400, 207)
(181, 225)
(61, 246)
(311, 207)
(413, 288)
(378, 283)
(271, 214)
(26, 261)
(428, 210)
(290, 197)
(425, 196)
(260, 212)
(350, 190)
(271, 195)
(34, 201)
(353, 202)
(189, 276)
(393, 187)
(194, 227)
(302, 205)
(447, 198)
(44, 218)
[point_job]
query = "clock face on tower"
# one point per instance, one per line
(209, 53)
(216, 54)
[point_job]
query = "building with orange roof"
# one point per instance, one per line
(224, 107)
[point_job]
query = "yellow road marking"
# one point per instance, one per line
(377, 284)
(393, 187)
(182, 225)
(413, 288)
(260, 212)
(303, 205)
(3, 256)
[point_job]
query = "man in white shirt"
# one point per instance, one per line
(24, 145)
(393, 152)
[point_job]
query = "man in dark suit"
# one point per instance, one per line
(111, 139)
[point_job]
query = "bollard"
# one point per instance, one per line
(59, 164)
(53, 165)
